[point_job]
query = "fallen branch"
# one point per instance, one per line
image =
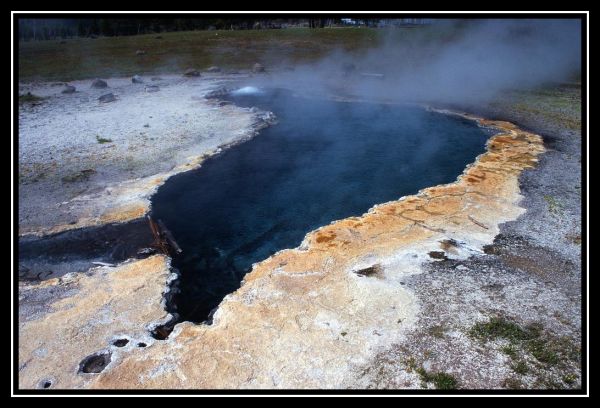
(169, 236)
(159, 242)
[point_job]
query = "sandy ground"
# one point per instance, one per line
(82, 162)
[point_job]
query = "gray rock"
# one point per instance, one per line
(213, 69)
(348, 68)
(152, 88)
(109, 97)
(156, 79)
(68, 89)
(140, 52)
(136, 79)
(217, 93)
(258, 68)
(191, 73)
(99, 84)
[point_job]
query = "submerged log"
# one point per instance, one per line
(169, 236)
(163, 238)
(159, 242)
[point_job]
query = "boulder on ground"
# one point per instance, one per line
(213, 69)
(348, 68)
(68, 89)
(109, 97)
(140, 52)
(136, 79)
(258, 68)
(99, 84)
(217, 93)
(191, 73)
(152, 88)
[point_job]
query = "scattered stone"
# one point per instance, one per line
(258, 68)
(109, 97)
(78, 176)
(191, 72)
(146, 251)
(152, 88)
(348, 68)
(438, 255)
(217, 93)
(69, 89)
(140, 52)
(99, 84)
(146, 125)
(373, 270)
(156, 79)
(136, 79)
(213, 69)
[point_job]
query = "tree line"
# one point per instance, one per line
(49, 29)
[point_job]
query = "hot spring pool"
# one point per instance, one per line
(322, 161)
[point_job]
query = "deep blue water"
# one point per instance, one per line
(323, 161)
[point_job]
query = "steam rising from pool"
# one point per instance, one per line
(247, 90)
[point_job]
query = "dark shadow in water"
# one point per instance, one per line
(76, 250)
(323, 161)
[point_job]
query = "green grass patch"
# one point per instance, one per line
(83, 58)
(78, 176)
(510, 350)
(512, 384)
(441, 380)
(569, 379)
(555, 207)
(498, 327)
(543, 351)
(437, 331)
(532, 351)
(30, 98)
(520, 367)
(105, 57)
(574, 238)
(102, 140)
